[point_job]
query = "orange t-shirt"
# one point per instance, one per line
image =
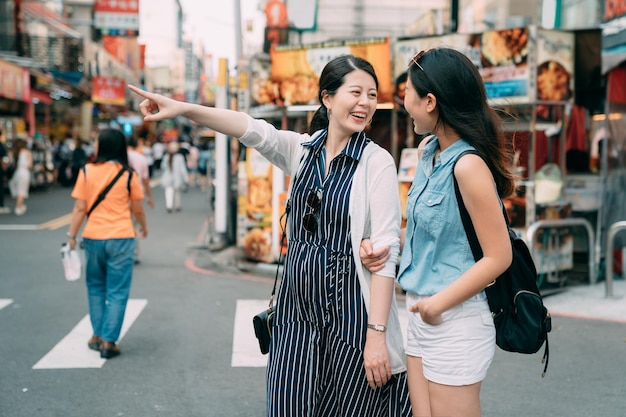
(112, 218)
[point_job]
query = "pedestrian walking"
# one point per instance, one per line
(139, 163)
(5, 162)
(336, 347)
(158, 152)
(173, 177)
(19, 184)
(451, 335)
(79, 158)
(108, 236)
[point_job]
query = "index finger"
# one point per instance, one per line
(139, 91)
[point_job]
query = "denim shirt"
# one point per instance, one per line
(436, 250)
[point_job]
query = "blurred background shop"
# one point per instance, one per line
(555, 69)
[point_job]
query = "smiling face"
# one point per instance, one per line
(421, 109)
(352, 107)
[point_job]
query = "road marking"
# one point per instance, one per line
(72, 350)
(246, 352)
(57, 223)
(19, 227)
(5, 302)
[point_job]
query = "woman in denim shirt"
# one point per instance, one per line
(451, 335)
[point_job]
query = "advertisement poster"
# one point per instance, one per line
(117, 17)
(109, 90)
(406, 172)
(14, 82)
(614, 26)
(255, 207)
(502, 58)
(555, 65)
(293, 73)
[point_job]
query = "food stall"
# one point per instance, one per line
(529, 78)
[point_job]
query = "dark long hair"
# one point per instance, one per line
(462, 103)
(112, 147)
(332, 77)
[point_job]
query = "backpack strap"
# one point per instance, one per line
(130, 176)
(465, 217)
(106, 190)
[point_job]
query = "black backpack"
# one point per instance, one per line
(522, 321)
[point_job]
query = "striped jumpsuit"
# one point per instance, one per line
(315, 364)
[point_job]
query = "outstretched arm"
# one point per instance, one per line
(156, 107)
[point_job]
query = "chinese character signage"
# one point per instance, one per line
(117, 17)
(108, 90)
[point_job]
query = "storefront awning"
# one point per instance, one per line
(38, 11)
(613, 58)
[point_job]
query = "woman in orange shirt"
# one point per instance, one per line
(109, 236)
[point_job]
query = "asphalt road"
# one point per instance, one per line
(188, 350)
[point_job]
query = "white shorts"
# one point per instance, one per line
(457, 351)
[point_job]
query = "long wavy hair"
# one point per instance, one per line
(112, 147)
(462, 103)
(332, 78)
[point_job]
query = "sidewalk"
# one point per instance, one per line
(576, 301)
(590, 302)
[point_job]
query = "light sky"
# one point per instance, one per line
(214, 22)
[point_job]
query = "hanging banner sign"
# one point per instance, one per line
(614, 26)
(14, 82)
(108, 90)
(295, 70)
(117, 17)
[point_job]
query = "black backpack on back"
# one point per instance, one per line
(522, 321)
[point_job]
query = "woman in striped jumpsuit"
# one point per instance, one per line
(337, 347)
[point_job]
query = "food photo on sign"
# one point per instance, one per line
(505, 68)
(555, 65)
(291, 75)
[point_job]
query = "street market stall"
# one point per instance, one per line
(529, 78)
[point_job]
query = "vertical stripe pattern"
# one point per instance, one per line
(315, 365)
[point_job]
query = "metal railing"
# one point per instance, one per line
(557, 223)
(610, 240)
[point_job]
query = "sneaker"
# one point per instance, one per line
(20, 210)
(5, 210)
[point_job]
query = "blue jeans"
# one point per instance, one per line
(109, 273)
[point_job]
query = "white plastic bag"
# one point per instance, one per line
(71, 262)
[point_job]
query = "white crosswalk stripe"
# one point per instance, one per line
(5, 302)
(246, 352)
(72, 350)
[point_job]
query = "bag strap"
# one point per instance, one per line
(282, 245)
(465, 217)
(106, 190)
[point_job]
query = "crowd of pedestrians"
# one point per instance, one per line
(27, 164)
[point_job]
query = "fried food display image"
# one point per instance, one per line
(259, 196)
(265, 91)
(502, 47)
(553, 82)
(257, 244)
(299, 89)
